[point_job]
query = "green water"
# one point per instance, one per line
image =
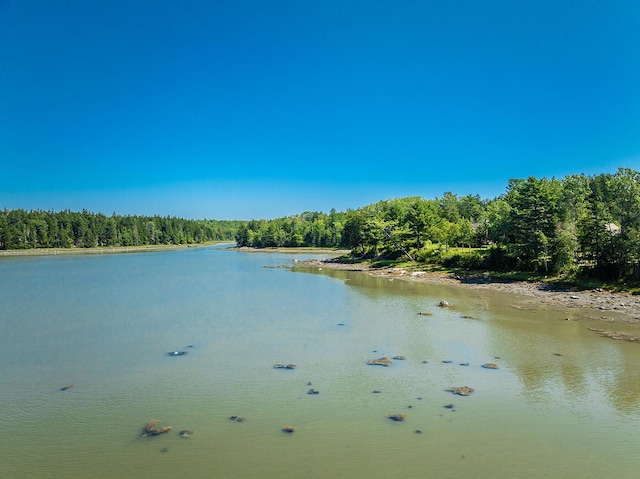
(565, 402)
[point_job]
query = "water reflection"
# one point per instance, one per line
(553, 359)
(105, 324)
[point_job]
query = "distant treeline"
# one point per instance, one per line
(579, 224)
(307, 229)
(20, 229)
(586, 224)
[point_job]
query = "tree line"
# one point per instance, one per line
(579, 224)
(312, 229)
(20, 229)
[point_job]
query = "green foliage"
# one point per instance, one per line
(309, 229)
(20, 229)
(580, 226)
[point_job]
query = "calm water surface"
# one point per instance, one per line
(565, 403)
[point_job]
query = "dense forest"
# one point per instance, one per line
(21, 229)
(579, 224)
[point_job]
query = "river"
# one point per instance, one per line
(564, 403)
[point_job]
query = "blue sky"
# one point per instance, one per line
(240, 109)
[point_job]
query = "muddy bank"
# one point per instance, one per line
(603, 305)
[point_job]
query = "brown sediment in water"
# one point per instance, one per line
(623, 306)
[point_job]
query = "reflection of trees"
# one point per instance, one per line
(574, 378)
(553, 359)
(558, 358)
(625, 392)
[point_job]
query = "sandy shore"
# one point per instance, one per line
(604, 305)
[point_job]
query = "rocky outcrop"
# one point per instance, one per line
(153, 428)
(383, 361)
(289, 429)
(616, 335)
(284, 366)
(461, 390)
(397, 417)
(490, 366)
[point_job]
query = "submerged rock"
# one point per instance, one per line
(398, 417)
(284, 366)
(67, 387)
(620, 336)
(313, 391)
(186, 433)
(153, 428)
(289, 429)
(490, 366)
(237, 418)
(461, 390)
(383, 361)
(400, 357)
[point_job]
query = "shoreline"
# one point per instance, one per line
(96, 250)
(292, 250)
(607, 306)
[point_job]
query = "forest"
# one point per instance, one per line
(578, 225)
(20, 229)
(588, 225)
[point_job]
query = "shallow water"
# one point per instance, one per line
(565, 402)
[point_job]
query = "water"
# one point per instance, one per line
(565, 402)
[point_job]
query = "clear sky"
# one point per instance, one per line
(240, 109)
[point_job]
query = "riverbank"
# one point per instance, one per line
(296, 250)
(100, 250)
(604, 305)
